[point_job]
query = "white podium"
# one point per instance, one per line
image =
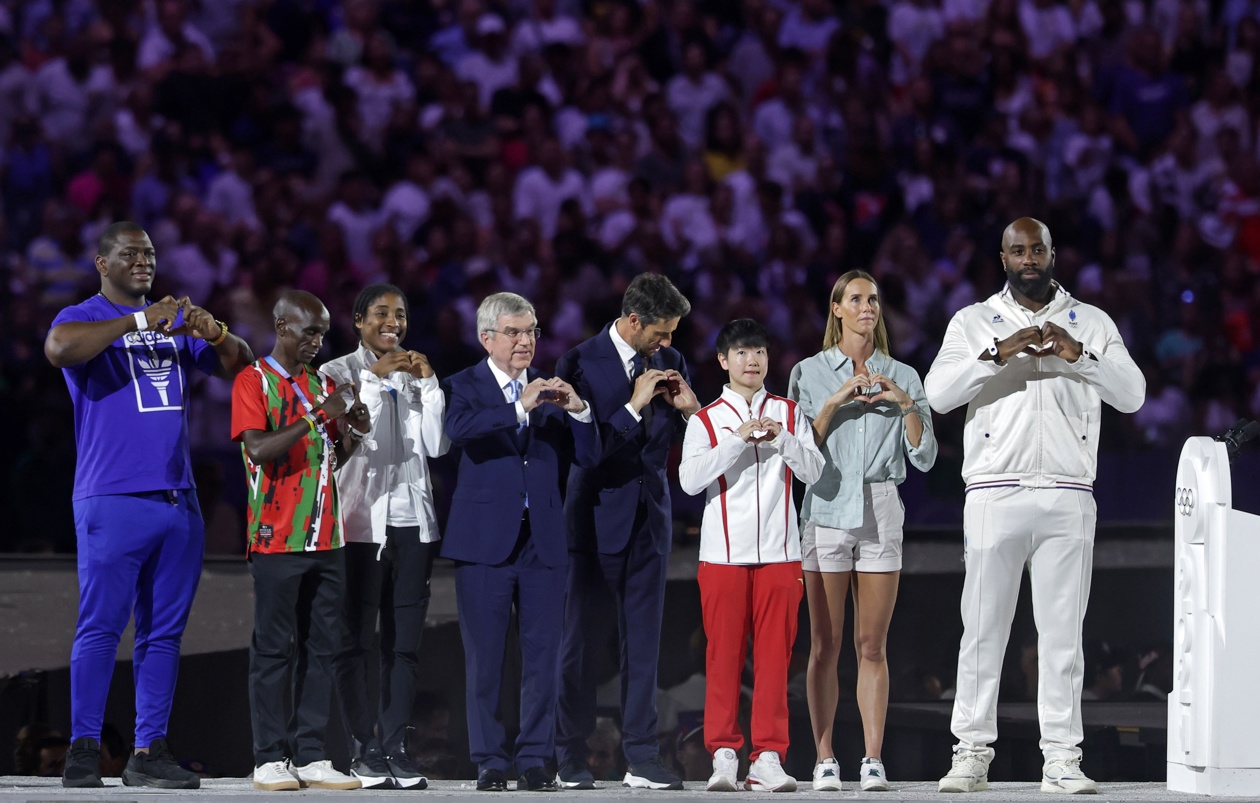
(1214, 708)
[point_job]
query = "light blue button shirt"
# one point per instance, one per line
(866, 442)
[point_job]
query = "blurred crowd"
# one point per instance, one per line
(752, 150)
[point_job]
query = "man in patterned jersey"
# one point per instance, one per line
(140, 534)
(291, 424)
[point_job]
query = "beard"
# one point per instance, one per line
(1036, 288)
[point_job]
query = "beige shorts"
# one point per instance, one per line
(873, 547)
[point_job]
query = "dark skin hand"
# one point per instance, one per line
(265, 447)
(77, 342)
(1047, 340)
(411, 362)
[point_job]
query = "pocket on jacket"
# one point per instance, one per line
(479, 495)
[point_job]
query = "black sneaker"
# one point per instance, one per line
(406, 773)
(575, 775)
(158, 768)
(372, 770)
(83, 764)
(651, 774)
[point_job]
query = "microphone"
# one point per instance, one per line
(1241, 432)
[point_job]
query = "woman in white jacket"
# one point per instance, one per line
(390, 530)
(869, 413)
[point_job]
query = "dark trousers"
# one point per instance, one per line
(634, 581)
(485, 595)
(298, 629)
(395, 589)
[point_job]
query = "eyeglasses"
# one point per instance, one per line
(515, 334)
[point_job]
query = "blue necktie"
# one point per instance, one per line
(514, 395)
(514, 391)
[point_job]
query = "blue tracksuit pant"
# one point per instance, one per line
(138, 553)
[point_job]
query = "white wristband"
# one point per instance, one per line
(142, 321)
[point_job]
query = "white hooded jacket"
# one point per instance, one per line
(1033, 421)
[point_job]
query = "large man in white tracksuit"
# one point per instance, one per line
(1033, 366)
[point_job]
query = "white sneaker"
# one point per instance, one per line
(275, 776)
(766, 775)
(873, 777)
(321, 775)
(827, 776)
(1063, 775)
(725, 771)
(970, 773)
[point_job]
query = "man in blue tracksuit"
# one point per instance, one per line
(139, 528)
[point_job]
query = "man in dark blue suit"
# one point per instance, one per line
(518, 433)
(620, 525)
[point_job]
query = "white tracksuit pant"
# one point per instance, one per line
(1051, 530)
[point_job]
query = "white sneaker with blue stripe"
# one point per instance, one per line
(1064, 776)
(969, 772)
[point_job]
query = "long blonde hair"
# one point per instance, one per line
(835, 333)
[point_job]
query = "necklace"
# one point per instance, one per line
(148, 343)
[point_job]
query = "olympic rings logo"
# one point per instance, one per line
(1184, 501)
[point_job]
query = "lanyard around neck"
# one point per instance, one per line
(306, 402)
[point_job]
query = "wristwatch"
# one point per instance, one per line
(995, 354)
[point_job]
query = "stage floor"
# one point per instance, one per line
(36, 790)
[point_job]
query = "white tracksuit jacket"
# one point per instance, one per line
(1033, 421)
(749, 515)
(392, 461)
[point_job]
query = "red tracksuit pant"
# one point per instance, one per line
(735, 601)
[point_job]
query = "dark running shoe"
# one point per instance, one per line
(406, 774)
(575, 775)
(372, 770)
(158, 768)
(83, 764)
(651, 774)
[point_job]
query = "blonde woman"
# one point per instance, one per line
(869, 413)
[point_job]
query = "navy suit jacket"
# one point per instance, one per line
(602, 500)
(495, 475)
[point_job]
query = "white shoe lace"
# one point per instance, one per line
(968, 764)
(1071, 767)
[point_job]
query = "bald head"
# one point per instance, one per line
(1028, 227)
(293, 301)
(301, 323)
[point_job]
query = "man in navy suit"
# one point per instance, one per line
(518, 433)
(620, 525)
